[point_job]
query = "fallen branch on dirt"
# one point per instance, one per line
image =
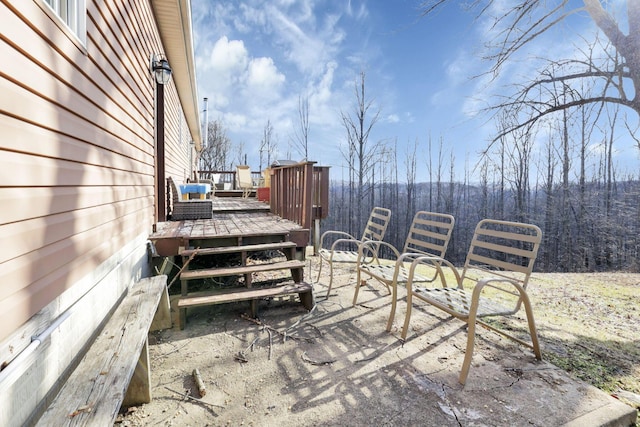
(199, 383)
(315, 328)
(175, 350)
(186, 396)
(304, 317)
(373, 355)
(520, 370)
(240, 357)
(366, 359)
(316, 362)
(264, 325)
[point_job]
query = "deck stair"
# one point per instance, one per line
(247, 292)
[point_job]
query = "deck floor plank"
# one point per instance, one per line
(237, 218)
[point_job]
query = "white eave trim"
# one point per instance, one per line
(174, 23)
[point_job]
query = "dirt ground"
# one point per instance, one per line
(336, 365)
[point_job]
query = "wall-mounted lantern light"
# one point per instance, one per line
(161, 70)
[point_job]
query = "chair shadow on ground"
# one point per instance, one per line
(358, 368)
(339, 366)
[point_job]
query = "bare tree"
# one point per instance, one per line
(361, 154)
(439, 172)
(483, 205)
(517, 163)
(240, 155)
(430, 170)
(550, 242)
(216, 152)
(268, 146)
(410, 163)
(516, 24)
(301, 135)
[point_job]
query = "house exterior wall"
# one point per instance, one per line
(77, 167)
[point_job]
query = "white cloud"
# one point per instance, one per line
(306, 42)
(256, 58)
(234, 120)
(392, 118)
(264, 77)
(322, 92)
(360, 14)
(228, 57)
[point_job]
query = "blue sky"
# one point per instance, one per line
(255, 59)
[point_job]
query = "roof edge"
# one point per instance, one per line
(173, 18)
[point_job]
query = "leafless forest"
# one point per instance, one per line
(588, 210)
(586, 228)
(552, 161)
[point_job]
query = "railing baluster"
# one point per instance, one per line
(299, 192)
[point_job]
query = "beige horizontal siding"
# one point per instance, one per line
(31, 235)
(105, 45)
(69, 115)
(23, 170)
(26, 139)
(35, 202)
(96, 78)
(77, 147)
(64, 263)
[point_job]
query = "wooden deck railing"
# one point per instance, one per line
(300, 192)
(320, 192)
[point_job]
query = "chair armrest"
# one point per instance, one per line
(438, 263)
(355, 242)
(372, 248)
(337, 233)
(489, 281)
(410, 256)
(493, 282)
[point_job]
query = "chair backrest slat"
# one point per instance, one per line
(504, 246)
(377, 224)
(429, 233)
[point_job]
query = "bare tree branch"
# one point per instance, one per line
(517, 24)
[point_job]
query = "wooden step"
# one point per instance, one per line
(235, 249)
(240, 270)
(243, 294)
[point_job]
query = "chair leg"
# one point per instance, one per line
(330, 278)
(532, 325)
(471, 338)
(407, 316)
(355, 294)
(319, 269)
(394, 301)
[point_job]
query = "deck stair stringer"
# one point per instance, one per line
(247, 292)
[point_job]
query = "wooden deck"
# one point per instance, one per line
(235, 221)
(238, 204)
(240, 226)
